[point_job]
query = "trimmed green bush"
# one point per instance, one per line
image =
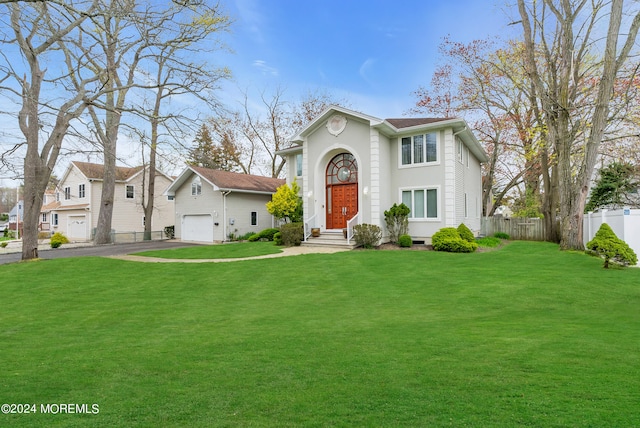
(292, 234)
(58, 239)
(448, 239)
(501, 235)
(405, 241)
(266, 235)
(277, 238)
(466, 233)
(606, 245)
(397, 221)
(367, 235)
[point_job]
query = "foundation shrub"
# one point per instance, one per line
(367, 235)
(405, 241)
(466, 233)
(292, 234)
(263, 235)
(449, 239)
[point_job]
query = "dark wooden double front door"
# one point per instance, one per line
(342, 190)
(342, 204)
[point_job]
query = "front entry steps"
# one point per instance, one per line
(329, 239)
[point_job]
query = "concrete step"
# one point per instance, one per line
(329, 239)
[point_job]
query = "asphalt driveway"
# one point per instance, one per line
(98, 250)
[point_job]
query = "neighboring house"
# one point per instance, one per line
(17, 211)
(16, 214)
(76, 207)
(211, 205)
(352, 167)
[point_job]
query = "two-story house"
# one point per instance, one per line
(77, 201)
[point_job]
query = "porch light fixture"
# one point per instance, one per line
(309, 194)
(365, 190)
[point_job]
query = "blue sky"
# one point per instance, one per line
(371, 53)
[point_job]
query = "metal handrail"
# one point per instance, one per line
(308, 225)
(354, 221)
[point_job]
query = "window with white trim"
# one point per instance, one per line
(129, 191)
(54, 219)
(196, 186)
(67, 193)
(459, 149)
(44, 217)
(466, 151)
(419, 149)
(422, 202)
(466, 206)
(170, 197)
(299, 165)
(81, 190)
(254, 218)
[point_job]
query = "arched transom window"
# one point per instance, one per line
(342, 169)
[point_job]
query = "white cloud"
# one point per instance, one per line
(265, 69)
(366, 68)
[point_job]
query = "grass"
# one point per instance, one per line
(521, 336)
(488, 242)
(219, 251)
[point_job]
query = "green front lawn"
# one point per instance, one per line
(521, 336)
(219, 251)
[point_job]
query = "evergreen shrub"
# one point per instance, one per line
(277, 238)
(606, 245)
(58, 239)
(266, 234)
(292, 234)
(367, 235)
(466, 233)
(448, 239)
(405, 241)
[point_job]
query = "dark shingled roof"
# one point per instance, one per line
(234, 180)
(95, 171)
(409, 122)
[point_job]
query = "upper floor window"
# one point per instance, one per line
(299, 165)
(67, 193)
(81, 190)
(196, 186)
(170, 197)
(419, 149)
(129, 191)
(459, 149)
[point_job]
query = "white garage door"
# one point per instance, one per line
(77, 227)
(197, 228)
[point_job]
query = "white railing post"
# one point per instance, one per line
(308, 224)
(354, 221)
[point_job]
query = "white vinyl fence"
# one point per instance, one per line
(625, 224)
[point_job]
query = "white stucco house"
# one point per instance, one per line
(211, 205)
(76, 205)
(352, 167)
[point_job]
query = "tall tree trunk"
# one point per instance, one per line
(105, 217)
